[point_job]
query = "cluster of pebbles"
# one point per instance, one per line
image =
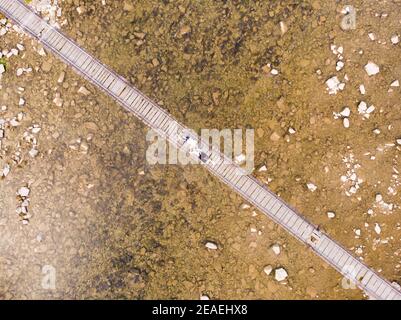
(23, 204)
(49, 10)
(6, 54)
(351, 181)
(334, 85)
(29, 141)
(14, 150)
(280, 273)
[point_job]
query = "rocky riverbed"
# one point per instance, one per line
(83, 215)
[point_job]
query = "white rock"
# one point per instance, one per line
(339, 65)
(398, 141)
(333, 85)
(370, 109)
(6, 170)
(346, 112)
(280, 274)
(331, 215)
(14, 122)
(362, 89)
(245, 206)
(378, 230)
(276, 249)
(391, 191)
(291, 131)
(41, 52)
(311, 186)
(2, 69)
(204, 297)
(372, 68)
(346, 123)
(268, 269)
(362, 107)
(58, 101)
(25, 203)
(395, 39)
(262, 169)
(23, 192)
(372, 36)
(211, 245)
(379, 197)
(33, 152)
(274, 72)
(36, 130)
(283, 27)
(61, 77)
(395, 83)
(357, 232)
(84, 91)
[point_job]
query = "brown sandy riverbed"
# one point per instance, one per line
(113, 226)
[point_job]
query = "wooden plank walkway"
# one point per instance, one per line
(227, 171)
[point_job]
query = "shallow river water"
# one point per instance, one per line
(104, 223)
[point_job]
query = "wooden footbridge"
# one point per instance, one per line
(224, 169)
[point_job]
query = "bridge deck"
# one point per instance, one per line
(227, 171)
